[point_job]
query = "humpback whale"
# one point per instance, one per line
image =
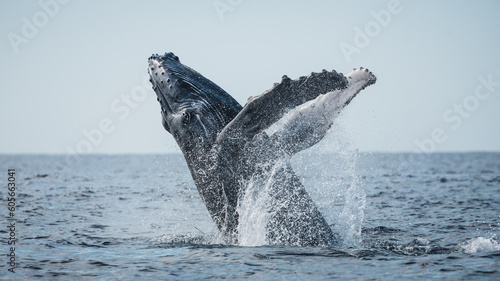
(226, 145)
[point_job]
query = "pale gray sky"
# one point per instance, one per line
(75, 67)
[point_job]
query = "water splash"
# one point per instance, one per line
(352, 216)
(480, 245)
(340, 198)
(254, 210)
(344, 189)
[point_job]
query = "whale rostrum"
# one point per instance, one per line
(226, 146)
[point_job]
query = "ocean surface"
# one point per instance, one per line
(139, 217)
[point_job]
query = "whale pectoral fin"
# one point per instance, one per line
(262, 111)
(309, 124)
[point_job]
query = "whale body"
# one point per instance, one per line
(226, 145)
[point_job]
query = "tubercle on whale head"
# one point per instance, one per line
(179, 110)
(166, 56)
(194, 109)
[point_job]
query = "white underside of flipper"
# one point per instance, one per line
(308, 124)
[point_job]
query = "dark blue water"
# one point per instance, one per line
(400, 216)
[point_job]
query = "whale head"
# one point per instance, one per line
(194, 109)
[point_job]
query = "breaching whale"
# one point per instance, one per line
(226, 145)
